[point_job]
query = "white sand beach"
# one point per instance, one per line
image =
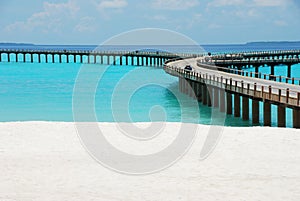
(46, 161)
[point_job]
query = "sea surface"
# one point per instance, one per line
(45, 91)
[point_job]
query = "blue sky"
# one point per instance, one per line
(94, 21)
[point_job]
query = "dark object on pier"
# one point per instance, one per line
(188, 68)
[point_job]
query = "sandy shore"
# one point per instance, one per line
(46, 161)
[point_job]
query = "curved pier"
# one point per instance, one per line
(232, 92)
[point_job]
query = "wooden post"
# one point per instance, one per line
(209, 96)
(289, 71)
(255, 111)
(245, 109)
(256, 71)
(199, 91)
(237, 105)
(281, 116)
(229, 102)
(267, 113)
(296, 117)
(204, 94)
(222, 101)
(216, 96)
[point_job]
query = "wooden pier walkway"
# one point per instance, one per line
(215, 85)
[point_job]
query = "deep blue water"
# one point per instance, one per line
(44, 91)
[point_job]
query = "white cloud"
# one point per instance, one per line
(112, 4)
(86, 24)
(218, 3)
(214, 26)
(157, 17)
(270, 3)
(248, 13)
(51, 19)
(280, 23)
(174, 4)
(251, 3)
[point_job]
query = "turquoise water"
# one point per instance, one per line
(44, 92)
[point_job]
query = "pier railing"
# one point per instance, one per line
(275, 95)
(212, 66)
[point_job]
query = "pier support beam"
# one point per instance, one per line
(256, 71)
(204, 94)
(216, 96)
(222, 101)
(209, 95)
(8, 57)
(114, 60)
(267, 113)
(108, 59)
(199, 92)
(296, 118)
(190, 86)
(281, 116)
(245, 109)
(147, 61)
(255, 112)
(289, 71)
(272, 70)
(184, 86)
(181, 84)
(237, 105)
(229, 102)
(142, 60)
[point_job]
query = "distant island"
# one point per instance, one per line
(271, 42)
(247, 44)
(14, 44)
